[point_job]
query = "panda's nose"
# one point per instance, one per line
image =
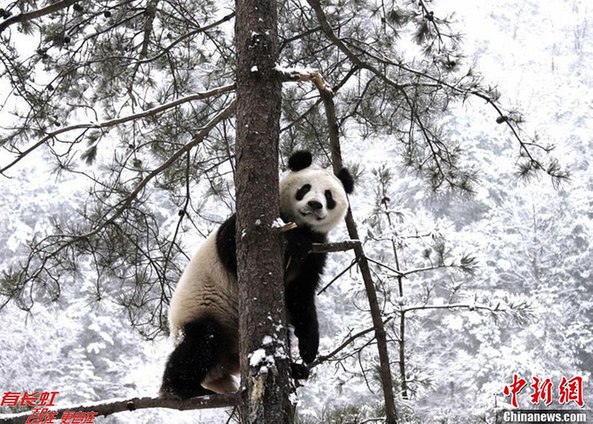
(314, 204)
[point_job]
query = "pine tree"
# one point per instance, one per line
(138, 99)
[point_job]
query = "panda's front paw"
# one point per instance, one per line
(299, 371)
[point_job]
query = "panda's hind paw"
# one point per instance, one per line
(299, 371)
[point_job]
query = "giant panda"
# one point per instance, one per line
(203, 313)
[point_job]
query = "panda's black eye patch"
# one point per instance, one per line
(331, 203)
(302, 191)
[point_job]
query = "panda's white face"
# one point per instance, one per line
(314, 197)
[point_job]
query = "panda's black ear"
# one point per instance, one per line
(347, 180)
(300, 159)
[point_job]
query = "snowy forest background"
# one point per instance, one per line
(531, 241)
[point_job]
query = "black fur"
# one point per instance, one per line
(302, 275)
(204, 343)
(302, 191)
(226, 246)
(347, 180)
(299, 371)
(329, 199)
(300, 159)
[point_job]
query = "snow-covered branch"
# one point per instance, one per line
(468, 306)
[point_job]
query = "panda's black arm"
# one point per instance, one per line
(299, 242)
(226, 245)
(297, 248)
(303, 272)
(303, 317)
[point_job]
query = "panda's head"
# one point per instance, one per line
(312, 196)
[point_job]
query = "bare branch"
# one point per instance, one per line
(113, 406)
(429, 268)
(28, 16)
(354, 262)
(336, 155)
(347, 342)
(341, 246)
(381, 264)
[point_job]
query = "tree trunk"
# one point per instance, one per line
(262, 322)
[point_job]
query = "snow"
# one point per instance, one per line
(295, 69)
(258, 357)
(532, 241)
(278, 223)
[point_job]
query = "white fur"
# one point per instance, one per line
(207, 288)
(299, 212)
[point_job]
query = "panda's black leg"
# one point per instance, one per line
(307, 331)
(189, 363)
(303, 316)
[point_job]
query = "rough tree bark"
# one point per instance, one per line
(259, 244)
